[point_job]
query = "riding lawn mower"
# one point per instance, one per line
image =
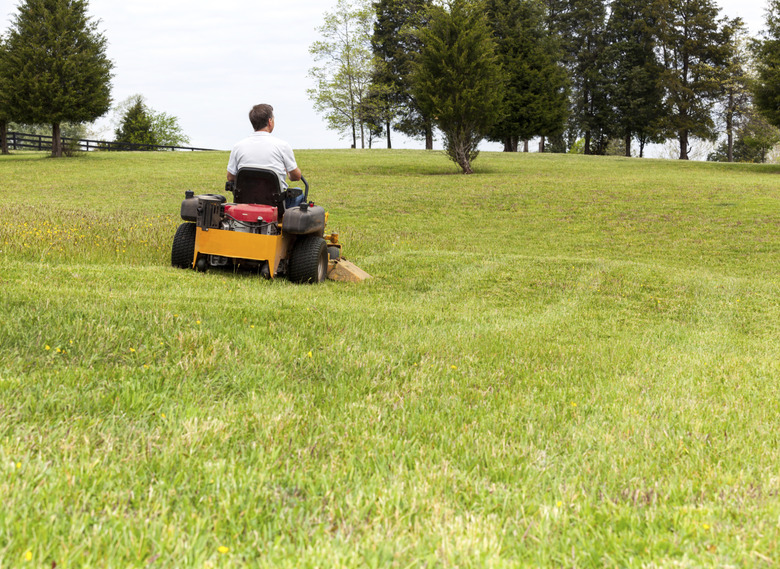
(276, 231)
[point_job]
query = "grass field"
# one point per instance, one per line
(561, 361)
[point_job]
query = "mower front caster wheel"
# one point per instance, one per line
(309, 260)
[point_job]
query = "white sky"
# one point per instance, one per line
(208, 62)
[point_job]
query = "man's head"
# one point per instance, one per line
(261, 116)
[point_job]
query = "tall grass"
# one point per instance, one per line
(560, 361)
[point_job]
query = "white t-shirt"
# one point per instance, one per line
(263, 150)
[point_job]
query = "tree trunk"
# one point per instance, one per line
(730, 129)
(56, 141)
(525, 146)
(541, 145)
(428, 137)
(683, 145)
(4, 137)
(389, 144)
(587, 142)
(628, 146)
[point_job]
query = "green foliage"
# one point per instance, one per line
(536, 97)
(54, 68)
(694, 46)
(394, 43)
(766, 88)
(579, 26)
(633, 72)
(343, 76)
(457, 78)
(590, 384)
(754, 139)
(138, 124)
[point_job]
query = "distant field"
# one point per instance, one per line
(561, 361)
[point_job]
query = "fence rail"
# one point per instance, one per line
(24, 141)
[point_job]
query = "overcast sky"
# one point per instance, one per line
(207, 62)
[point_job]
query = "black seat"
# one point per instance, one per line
(259, 186)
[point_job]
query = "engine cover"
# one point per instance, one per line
(252, 213)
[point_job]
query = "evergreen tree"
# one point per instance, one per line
(136, 125)
(4, 114)
(766, 89)
(457, 78)
(393, 44)
(536, 98)
(580, 27)
(693, 47)
(735, 101)
(54, 68)
(139, 124)
(633, 73)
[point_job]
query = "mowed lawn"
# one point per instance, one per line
(560, 361)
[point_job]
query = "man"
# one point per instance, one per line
(262, 150)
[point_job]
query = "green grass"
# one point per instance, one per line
(561, 361)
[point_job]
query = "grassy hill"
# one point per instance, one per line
(561, 361)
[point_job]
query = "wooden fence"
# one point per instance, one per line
(23, 141)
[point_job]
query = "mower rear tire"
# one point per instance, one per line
(183, 249)
(309, 260)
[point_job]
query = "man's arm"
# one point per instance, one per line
(295, 175)
(231, 177)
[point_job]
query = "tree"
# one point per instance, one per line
(344, 75)
(536, 98)
(579, 26)
(766, 89)
(753, 140)
(693, 46)
(138, 124)
(734, 78)
(633, 73)
(4, 114)
(393, 43)
(55, 68)
(457, 78)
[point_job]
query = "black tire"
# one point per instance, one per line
(334, 253)
(309, 260)
(183, 249)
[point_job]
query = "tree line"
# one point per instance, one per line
(54, 71)
(594, 76)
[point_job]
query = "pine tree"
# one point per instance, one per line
(767, 86)
(55, 68)
(4, 114)
(136, 126)
(580, 27)
(393, 44)
(633, 72)
(140, 124)
(693, 46)
(735, 101)
(536, 98)
(457, 78)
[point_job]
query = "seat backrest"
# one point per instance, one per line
(259, 186)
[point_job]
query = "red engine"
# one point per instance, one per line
(251, 218)
(252, 213)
